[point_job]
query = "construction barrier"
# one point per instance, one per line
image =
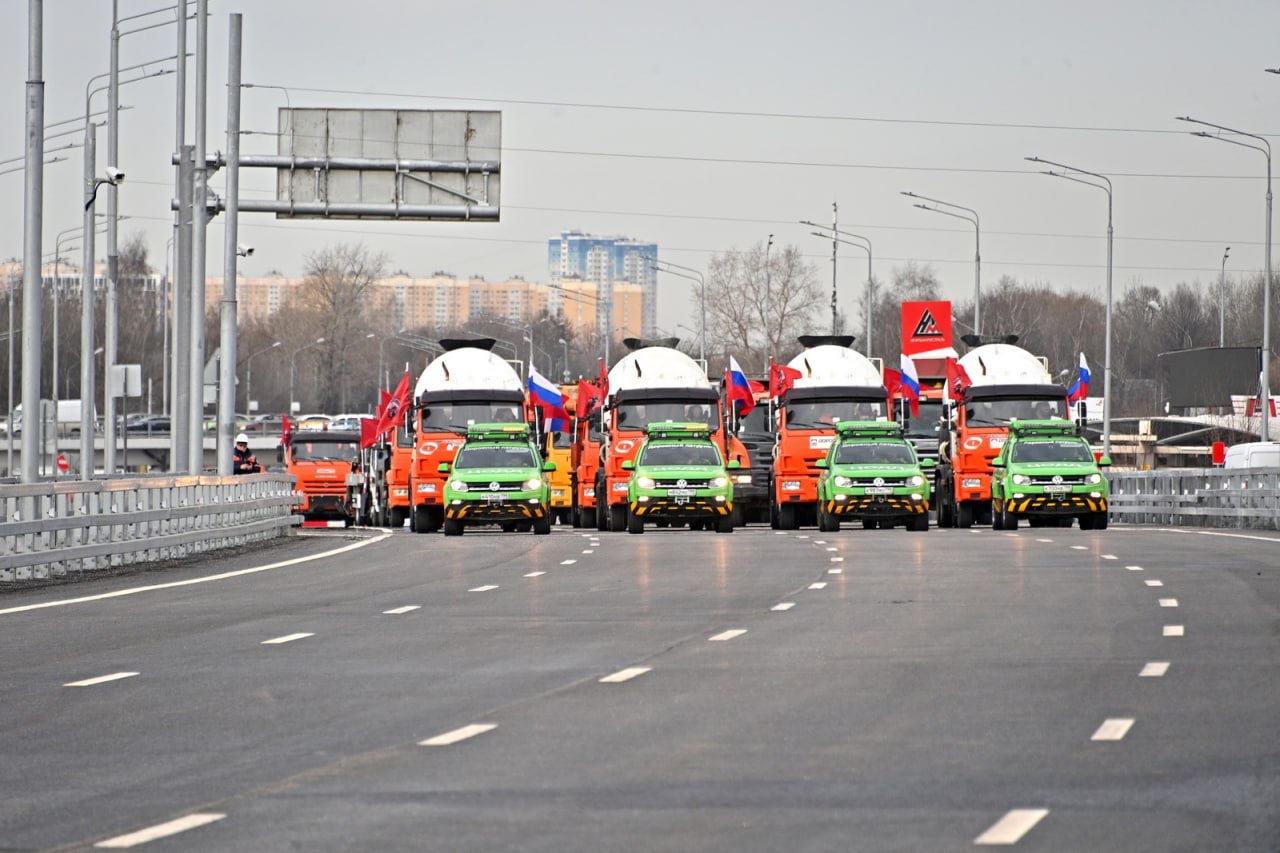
(1198, 497)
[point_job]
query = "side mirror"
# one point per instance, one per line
(926, 464)
(734, 465)
(548, 465)
(628, 465)
(1104, 462)
(410, 422)
(822, 463)
(443, 467)
(997, 462)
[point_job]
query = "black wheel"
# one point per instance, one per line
(787, 517)
(1010, 521)
(453, 527)
(964, 515)
(833, 523)
(822, 519)
(997, 515)
(773, 515)
(1086, 521)
(618, 518)
(1100, 520)
(695, 525)
(919, 523)
(868, 524)
(425, 520)
(724, 524)
(399, 515)
(635, 524)
(542, 526)
(602, 517)
(588, 516)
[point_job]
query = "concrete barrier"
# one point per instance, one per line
(1198, 497)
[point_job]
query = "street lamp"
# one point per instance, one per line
(866, 344)
(768, 296)
(1105, 186)
(1222, 300)
(702, 297)
(565, 345)
(293, 361)
(1265, 149)
(977, 249)
(248, 377)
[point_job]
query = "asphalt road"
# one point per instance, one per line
(677, 691)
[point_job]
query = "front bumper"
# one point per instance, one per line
(507, 509)
(878, 506)
(324, 505)
(752, 493)
(664, 506)
(1071, 503)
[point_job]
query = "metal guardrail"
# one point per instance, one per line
(1198, 497)
(52, 528)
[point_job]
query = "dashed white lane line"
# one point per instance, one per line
(818, 585)
(1044, 540)
(535, 574)
(457, 735)
(786, 605)
(484, 588)
(1113, 729)
(837, 559)
(101, 679)
(819, 542)
(1013, 536)
(1154, 583)
(1134, 568)
(1110, 557)
(779, 533)
(588, 551)
(1168, 602)
(832, 548)
(567, 562)
(1010, 828)
(398, 610)
(835, 571)
(1079, 548)
(727, 635)
(161, 830)
(1174, 631)
(1155, 669)
(287, 638)
(625, 674)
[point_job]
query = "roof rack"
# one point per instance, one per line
(869, 429)
(1042, 427)
(489, 432)
(678, 430)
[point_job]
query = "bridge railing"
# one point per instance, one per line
(50, 529)
(1198, 497)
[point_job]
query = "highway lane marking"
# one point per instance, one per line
(1270, 539)
(161, 830)
(1134, 568)
(833, 548)
(287, 638)
(625, 675)
(588, 551)
(1168, 602)
(802, 537)
(1012, 535)
(835, 571)
(1010, 828)
(101, 679)
(1044, 540)
(193, 581)
(1110, 557)
(1079, 548)
(408, 608)
(786, 605)
(484, 588)
(819, 542)
(458, 735)
(837, 559)
(727, 635)
(1155, 669)
(1154, 583)
(779, 533)
(1174, 631)
(1113, 729)
(818, 585)
(567, 562)
(536, 574)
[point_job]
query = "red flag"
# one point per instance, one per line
(368, 432)
(286, 429)
(394, 407)
(604, 382)
(589, 399)
(781, 378)
(892, 383)
(957, 378)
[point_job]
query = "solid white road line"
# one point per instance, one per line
(101, 679)
(567, 562)
(450, 738)
(287, 638)
(1174, 631)
(625, 675)
(1113, 729)
(786, 605)
(484, 588)
(727, 635)
(406, 609)
(1168, 602)
(818, 585)
(1155, 669)
(535, 574)
(1010, 828)
(161, 830)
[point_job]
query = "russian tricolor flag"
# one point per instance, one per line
(1080, 389)
(911, 384)
(739, 389)
(546, 397)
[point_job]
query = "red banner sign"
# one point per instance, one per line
(925, 326)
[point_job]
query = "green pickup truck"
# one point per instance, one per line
(679, 476)
(871, 473)
(497, 478)
(1047, 473)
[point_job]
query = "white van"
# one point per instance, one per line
(1253, 454)
(66, 420)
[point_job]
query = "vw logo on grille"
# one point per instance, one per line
(1057, 479)
(879, 481)
(493, 487)
(682, 482)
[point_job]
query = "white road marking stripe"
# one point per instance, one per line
(1134, 568)
(1154, 583)
(1110, 557)
(101, 679)
(397, 611)
(567, 562)
(1044, 540)
(727, 635)
(802, 537)
(819, 542)
(1231, 535)
(161, 830)
(287, 638)
(535, 574)
(833, 549)
(835, 571)
(1012, 536)
(1155, 669)
(223, 576)
(1113, 729)
(1010, 828)
(779, 533)
(588, 551)
(837, 559)
(1079, 548)
(818, 585)
(786, 605)
(1168, 602)
(1174, 631)
(457, 735)
(625, 675)
(484, 588)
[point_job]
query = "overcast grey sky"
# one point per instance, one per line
(706, 126)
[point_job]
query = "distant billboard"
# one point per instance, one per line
(388, 164)
(926, 326)
(1209, 376)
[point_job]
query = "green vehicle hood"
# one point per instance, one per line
(873, 470)
(689, 472)
(470, 475)
(1071, 469)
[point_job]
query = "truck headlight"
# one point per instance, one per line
(742, 479)
(645, 482)
(1021, 479)
(458, 486)
(916, 480)
(1093, 479)
(532, 483)
(843, 482)
(719, 482)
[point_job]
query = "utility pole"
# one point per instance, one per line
(33, 224)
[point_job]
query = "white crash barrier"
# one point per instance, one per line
(1198, 497)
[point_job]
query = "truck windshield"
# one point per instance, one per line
(312, 451)
(1000, 412)
(757, 422)
(562, 440)
(926, 424)
(639, 415)
(877, 452)
(680, 454)
(456, 417)
(1052, 451)
(824, 414)
(500, 456)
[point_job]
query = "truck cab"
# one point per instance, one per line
(323, 462)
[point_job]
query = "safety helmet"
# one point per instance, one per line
(242, 439)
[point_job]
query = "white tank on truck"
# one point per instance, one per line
(468, 384)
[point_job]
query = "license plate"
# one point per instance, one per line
(997, 441)
(1057, 490)
(879, 490)
(682, 493)
(493, 499)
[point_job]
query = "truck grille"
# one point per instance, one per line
(1066, 480)
(896, 482)
(678, 484)
(497, 486)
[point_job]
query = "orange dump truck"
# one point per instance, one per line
(325, 464)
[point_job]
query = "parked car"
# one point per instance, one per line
(148, 424)
(265, 425)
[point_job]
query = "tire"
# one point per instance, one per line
(822, 519)
(773, 515)
(724, 524)
(1010, 521)
(453, 527)
(919, 523)
(787, 517)
(946, 513)
(602, 518)
(1100, 520)
(635, 524)
(997, 515)
(964, 515)
(868, 524)
(618, 517)
(399, 515)
(1086, 521)
(542, 526)
(422, 520)
(587, 516)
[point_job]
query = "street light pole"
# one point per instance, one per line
(565, 346)
(1106, 355)
(977, 249)
(866, 344)
(293, 361)
(1265, 149)
(248, 378)
(702, 297)
(1222, 300)
(768, 297)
